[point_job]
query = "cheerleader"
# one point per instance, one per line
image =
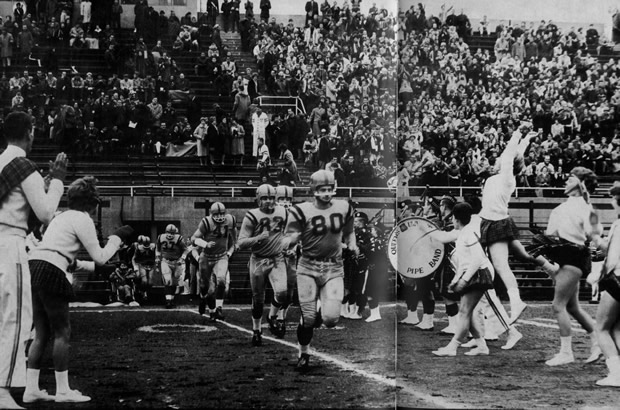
(497, 230)
(574, 223)
(469, 261)
(607, 323)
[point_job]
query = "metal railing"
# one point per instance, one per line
(351, 192)
(264, 101)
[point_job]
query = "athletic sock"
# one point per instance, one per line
(514, 296)
(256, 324)
(32, 379)
(62, 382)
(219, 303)
(273, 310)
(566, 345)
(303, 349)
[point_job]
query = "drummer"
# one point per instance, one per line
(419, 289)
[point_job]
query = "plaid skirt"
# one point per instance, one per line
(573, 255)
(497, 231)
(48, 278)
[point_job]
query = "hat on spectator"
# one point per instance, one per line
(361, 215)
(615, 188)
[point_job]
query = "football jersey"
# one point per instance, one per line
(170, 246)
(146, 256)
(221, 234)
(257, 222)
(321, 229)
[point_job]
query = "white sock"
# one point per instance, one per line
(273, 311)
(219, 303)
(32, 379)
(566, 344)
(514, 296)
(62, 382)
(303, 349)
(454, 343)
(593, 339)
(481, 343)
(282, 314)
(256, 323)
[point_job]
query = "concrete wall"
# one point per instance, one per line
(186, 211)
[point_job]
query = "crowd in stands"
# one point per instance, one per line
(440, 117)
(458, 107)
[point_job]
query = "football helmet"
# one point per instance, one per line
(218, 212)
(319, 180)
(284, 195)
(144, 240)
(265, 197)
(172, 229)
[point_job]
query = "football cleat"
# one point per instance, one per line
(202, 307)
(257, 338)
(303, 363)
(218, 313)
(273, 325)
(281, 329)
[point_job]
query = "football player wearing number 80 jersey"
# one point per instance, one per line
(217, 234)
(262, 231)
(320, 226)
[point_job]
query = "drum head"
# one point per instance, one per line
(411, 250)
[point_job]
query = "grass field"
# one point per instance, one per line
(157, 358)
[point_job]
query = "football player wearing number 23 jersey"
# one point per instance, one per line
(320, 226)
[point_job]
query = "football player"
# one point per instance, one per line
(284, 197)
(217, 235)
(262, 231)
(320, 226)
(170, 254)
(143, 262)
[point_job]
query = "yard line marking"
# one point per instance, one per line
(436, 401)
(533, 323)
(432, 400)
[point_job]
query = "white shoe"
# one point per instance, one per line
(609, 381)
(374, 316)
(561, 359)
(478, 351)
(451, 326)
(133, 303)
(354, 316)
(471, 344)
(411, 319)
(445, 351)
(426, 323)
(595, 354)
(72, 396)
(513, 337)
(517, 311)
(37, 395)
(344, 311)
(7, 402)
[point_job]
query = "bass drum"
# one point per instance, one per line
(411, 250)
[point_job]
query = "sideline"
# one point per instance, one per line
(435, 401)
